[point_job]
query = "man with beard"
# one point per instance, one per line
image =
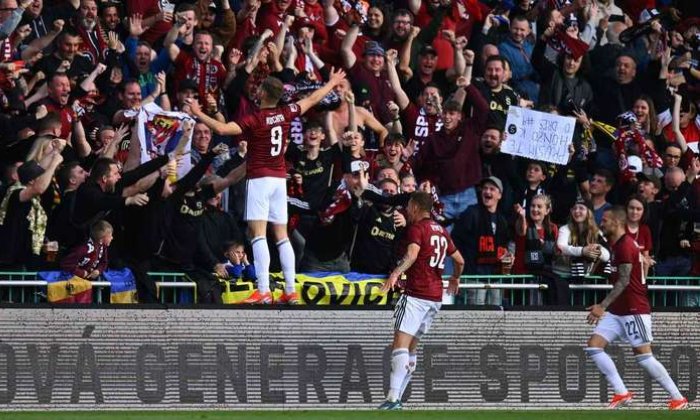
(378, 228)
(482, 234)
(420, 120)
(93, 45)
(110, 17)
(199, 65)
(66, 58)
(499, 96)
(183, 30)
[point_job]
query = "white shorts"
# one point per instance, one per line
(266, 199)
(633, 329)
(414, 316)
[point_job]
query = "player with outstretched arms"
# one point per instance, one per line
(267, 131)
(426, 244)
(628, 315)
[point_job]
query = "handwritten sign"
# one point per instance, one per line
(538, 135)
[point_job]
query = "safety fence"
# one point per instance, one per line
(499, 290)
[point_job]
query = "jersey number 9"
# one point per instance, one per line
(276, 139)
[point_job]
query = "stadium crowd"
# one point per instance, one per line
(429, 85)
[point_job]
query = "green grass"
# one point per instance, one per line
(352, 415)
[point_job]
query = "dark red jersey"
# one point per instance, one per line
(268, 134)
(634, 300)
(419, 125)
(424, 277)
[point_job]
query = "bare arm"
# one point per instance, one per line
(346, 54)
(624, 271)
(317, 95)
(220, 128)
(141, 185)
(405, 58)
(414, 6)
(330, 129)
(676, 121)
(329, 13)
(79, 140)
(401, 98)
(371, 122)
(173, 52)
(408, 259)
(459, 60)
(235, 175)
(42, 182)
(42, 43)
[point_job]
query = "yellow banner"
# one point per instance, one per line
(351, 289)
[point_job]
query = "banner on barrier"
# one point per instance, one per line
(320, 289)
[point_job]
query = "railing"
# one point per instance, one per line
(503, 290)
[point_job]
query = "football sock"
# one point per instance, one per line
(657, 371)
(412, 362)
(607, 367)
(287, 262)
(399, 370)
(261, 254)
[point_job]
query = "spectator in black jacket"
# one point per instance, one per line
(482, 234)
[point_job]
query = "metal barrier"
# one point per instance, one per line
(515, 290)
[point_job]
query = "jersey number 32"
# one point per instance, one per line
(439, 245)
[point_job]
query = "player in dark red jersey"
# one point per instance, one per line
(628, 315)
(266, 189)
(426, 244)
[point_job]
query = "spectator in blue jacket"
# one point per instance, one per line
(238, 265)
(517, 49)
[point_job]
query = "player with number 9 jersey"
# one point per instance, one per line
(268, 131)
(424, 277)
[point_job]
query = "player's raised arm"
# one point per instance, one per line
(406, 262)
(223, 129)
(316, 96)
(458, 264)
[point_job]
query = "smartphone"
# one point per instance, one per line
(616, 18)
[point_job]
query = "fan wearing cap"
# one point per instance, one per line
(427, 71)
(369, 75)
(450, 158)
(22, 218)
(482, 235)
(208, 11)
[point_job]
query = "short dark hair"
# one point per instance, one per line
(519, 18)
(49, 122)
(67, 31)
(273, 88)
(63, 174)
(99, 229)
(619, 213)
(55, 75)
(609, 177)
(200, 32)
(231, 244)
(402, 12)
(101, 168)
(498, 58)
(186, 7)
(422, 200)
(127, 82)
(381, 183)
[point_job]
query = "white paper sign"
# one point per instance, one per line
(538, 135)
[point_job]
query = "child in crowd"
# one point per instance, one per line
(89, 260)
(238, 265)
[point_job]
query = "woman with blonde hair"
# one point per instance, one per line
(578, 248)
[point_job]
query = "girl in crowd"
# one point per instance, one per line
(578, 250)
(535, 239)
(640, 232)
